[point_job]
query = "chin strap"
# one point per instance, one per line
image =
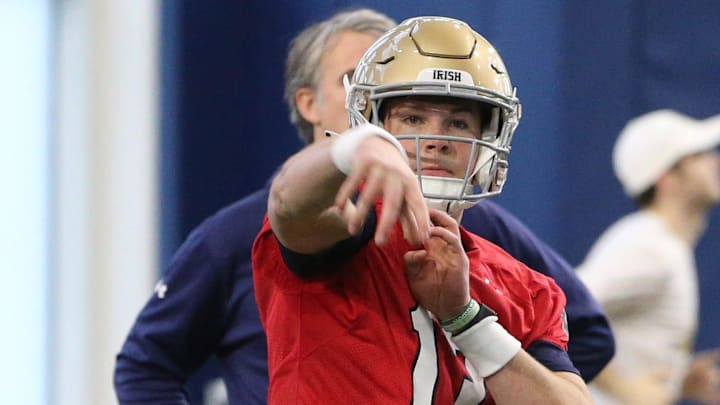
(445, 186)
(454, 208)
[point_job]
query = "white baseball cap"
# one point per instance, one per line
(651, 144)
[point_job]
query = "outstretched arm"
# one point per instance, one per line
(207, 287)
(310, 206)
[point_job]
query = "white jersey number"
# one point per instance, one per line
(425, 371)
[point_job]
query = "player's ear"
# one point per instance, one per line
(306, 100)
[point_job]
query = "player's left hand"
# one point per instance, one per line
(437, 274)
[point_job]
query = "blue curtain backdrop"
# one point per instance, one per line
(582, 69)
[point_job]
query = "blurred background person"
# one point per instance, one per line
(642, 269)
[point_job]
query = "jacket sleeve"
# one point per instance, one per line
(203, 305)
(591, 343)
(175, 332)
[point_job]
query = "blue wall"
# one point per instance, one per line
(582, 70)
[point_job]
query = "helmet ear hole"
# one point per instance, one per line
(500, 176)
(491, 123)
(482, 179)
(381, 106)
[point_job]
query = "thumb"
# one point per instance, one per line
(413, 262)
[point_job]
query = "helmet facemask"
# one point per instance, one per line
(474, 161)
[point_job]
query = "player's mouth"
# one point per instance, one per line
(436, 171)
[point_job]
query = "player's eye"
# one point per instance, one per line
(412, 120)
(459, 124)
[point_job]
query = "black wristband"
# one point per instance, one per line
(484, 312)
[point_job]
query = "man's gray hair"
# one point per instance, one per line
(306, 51)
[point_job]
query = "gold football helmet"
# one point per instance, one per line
(438, 56)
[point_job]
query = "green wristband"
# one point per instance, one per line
(466, 315)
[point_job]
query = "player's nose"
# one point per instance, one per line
(436, 144)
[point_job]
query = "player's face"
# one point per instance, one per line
(700, 177)
(439, 157)
(343, 53)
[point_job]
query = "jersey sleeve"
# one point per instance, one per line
(329, 260)
(592, 344)
(551, 356)
(162, 348)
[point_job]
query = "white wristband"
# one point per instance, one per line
(343, 149)
(488, 346)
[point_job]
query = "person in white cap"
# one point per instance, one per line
(642, 269)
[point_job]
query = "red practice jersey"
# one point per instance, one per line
(356, 335)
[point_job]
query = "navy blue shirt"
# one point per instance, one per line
(205, 306)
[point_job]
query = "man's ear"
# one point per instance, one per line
(668, 181)
(305, 98)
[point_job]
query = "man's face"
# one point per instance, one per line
(424, 116)
(340, 58)
(700, 177)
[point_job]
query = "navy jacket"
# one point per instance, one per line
(204, 305)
